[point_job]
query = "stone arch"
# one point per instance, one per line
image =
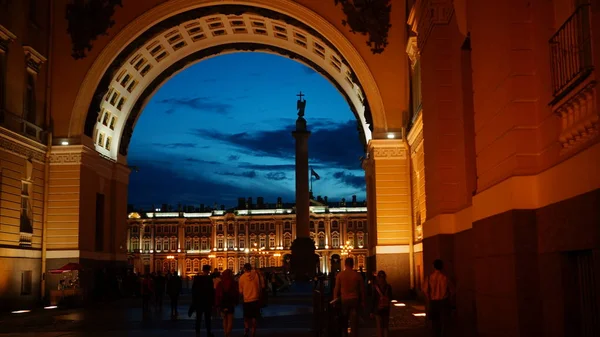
(179, 33)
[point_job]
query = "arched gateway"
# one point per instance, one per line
(112, 82)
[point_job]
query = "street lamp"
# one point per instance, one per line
(346, 249)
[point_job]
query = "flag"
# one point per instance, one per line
(314, 174)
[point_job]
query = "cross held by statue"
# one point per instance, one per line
(300, 95)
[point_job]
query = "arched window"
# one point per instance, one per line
(188, 266)
(205, 262)
(158, 265)
(252, 240)
(287, 240)
(262, 241)
(188, 243)
(173, 243)
(230, 242)
(158, 244)
(335, 224)
(287, 226)
(197, 243)
(220, 242)
(165, 266)
(272, 241)
(360, 239)
(261, 262)
(196, 265)
(335, 239)
(241, 242)
(321, 242)
(173, 266)
(242, 262)
(272, 262)
(135, 244)
(29, 106)
(147, 244)
(231, 264)
(350, 240)
(204, 245)
(220, 263)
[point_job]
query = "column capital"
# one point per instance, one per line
(413, 51)
(6, 37)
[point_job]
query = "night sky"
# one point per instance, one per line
(221, 129)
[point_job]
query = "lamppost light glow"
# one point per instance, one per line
(391, 135)
(64, 143)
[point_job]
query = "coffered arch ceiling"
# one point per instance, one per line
(182, 39)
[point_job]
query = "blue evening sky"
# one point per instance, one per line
(221, 129)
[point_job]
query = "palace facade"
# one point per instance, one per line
(163, 241)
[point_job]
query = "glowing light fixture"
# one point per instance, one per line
(51, 307)
(391, 136)
(419, 314)
(20, 311)
(64, 142)
(399, 304)
(179, 250)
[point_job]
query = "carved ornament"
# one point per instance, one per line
(88, 19)
(33, 59)
(580, 120)
(389, 153)
(370, 17)
(65, 158)
(413, 51)
(21, 150)
(426, 14)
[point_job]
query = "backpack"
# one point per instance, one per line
(384, 300)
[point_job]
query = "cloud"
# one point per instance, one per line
(202, 161)
(245, 174)
(176, 145)
(170, 111)
(350, 179)
(328, 145)
(197, 103)
(277, 176)
(233, 157)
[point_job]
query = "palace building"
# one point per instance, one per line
(261, 234)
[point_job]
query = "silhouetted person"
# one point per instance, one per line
(227, 298)
(250, 288)
(380, 305)
(203, 300)
(159, 285)
(147, 291)
(349, 288)
(173, 290)
(439, 290)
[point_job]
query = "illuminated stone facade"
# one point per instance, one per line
(185, 241)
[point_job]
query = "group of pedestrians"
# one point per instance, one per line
(222, 292)
(153, 288)
(350, 296)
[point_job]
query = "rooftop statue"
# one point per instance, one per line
(301, 104)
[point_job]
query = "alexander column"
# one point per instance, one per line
(303, 247)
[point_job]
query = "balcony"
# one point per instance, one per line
(25, 239)
(19, 125)
(573, 80)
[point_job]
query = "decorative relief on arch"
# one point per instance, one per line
(88, 19)
(370, 17)
(188, 37)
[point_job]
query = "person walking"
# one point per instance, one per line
(159, 292)
(439, 291)
(227, 298)
(380, 305)
(250, 287)
(147, 291)
(349, 288)
(173, 290)
(203, 300)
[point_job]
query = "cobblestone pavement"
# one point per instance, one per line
(289, 315)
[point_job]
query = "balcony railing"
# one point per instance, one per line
(571, 52)
(19, 125)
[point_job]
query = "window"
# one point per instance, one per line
(272, 226)
(272, 262)
(188, 266)
(241, 242)
(173, 229)
(230, 242)
(135, 229)
(230, 227)
(158, 229)
(241, 263)
(99, 242)
(158, 245)
(204, 244)
(252, 241)
(203, 229)
(287, 226)
(360, 236)
(113, 122)
(147, 229)
(26, 208)
(26, 282)
(253, 227)
(188, 244)
(242, 228)
(359, 225)
(173, 243)
(262, 226)
(272, 241)
(335, 225)
(321, 226)
(220, 228)
(321, 240)
(29, 103)
(135, 245)
(146, 245)
(350, 239)
(196, 229)
(361, 261)
(220, 242)
(335, 239)
(188, 230)
(262, 241)
(231, 264)
(287, 240)
(197, 243)
(196, 265)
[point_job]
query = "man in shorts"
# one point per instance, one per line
(250, 289)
